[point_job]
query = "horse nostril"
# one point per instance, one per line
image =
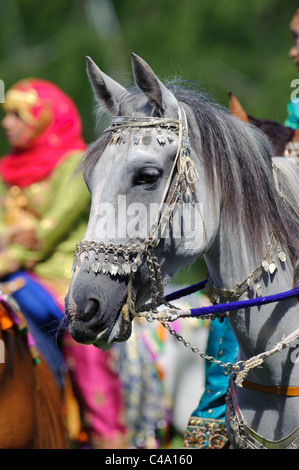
(91, 308)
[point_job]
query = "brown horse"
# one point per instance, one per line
(31, 405)
(285, 140)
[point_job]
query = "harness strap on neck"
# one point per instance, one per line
(282, 391)
(246, 437)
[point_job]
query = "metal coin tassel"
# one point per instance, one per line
(106, 258)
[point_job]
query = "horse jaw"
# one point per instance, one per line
(123, 323)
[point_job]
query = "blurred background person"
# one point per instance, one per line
(40, 211)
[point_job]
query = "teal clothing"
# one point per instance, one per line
(223, 346)
(293, 115)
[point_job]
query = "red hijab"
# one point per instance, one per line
(56, 131)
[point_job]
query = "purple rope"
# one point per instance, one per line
(223, 308)
(186, 291)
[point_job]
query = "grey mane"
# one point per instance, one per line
(237, 157)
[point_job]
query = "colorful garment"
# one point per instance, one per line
(122, 404)
(40, 191)
(98, 390)
(37, 194)
(36, 189)
(146, 412)
(206, 426)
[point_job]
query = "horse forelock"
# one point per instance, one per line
(92, 155)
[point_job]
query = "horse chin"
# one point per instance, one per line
(98, 316)
(120, 332)
(88, 332)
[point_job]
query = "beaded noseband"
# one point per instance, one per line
(125, 259)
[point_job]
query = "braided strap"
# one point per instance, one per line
(256, 361)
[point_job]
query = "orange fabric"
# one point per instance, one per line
(236, 108)
(5, 319)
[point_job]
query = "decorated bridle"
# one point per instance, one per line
(125, 259)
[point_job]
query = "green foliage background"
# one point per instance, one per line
(224, 44)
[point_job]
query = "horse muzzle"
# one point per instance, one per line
(98, 316)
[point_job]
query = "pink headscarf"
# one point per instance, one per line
(56, 131)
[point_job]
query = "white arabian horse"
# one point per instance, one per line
(175, 177)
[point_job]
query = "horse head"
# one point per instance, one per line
(142, 180)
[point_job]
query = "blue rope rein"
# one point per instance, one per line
(222, 309)
(186, 291)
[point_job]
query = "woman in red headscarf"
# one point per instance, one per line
(43, 213)
(39, 203)
(41, 210)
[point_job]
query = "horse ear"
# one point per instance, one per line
(236, 108)
(158, 95)
(107, 91)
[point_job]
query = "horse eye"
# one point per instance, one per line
(148, 175)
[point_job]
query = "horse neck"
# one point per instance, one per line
(231, 261)
(259, 330)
